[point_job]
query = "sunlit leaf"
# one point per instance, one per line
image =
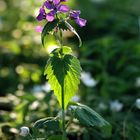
(63, 72)
(48, 28)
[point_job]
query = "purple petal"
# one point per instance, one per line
(41, 14)
(63, 0)
(56, 2)
(50, 16)
(48, 5)
(42, 10)
(81, 22)
(75, 14)
(63, 8)
(40, 17)
(39, 29)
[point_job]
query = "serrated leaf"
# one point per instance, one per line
(87, 116)
(63, 72)
(48, 28)
(51, 124)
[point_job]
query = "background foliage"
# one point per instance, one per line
(110, 53)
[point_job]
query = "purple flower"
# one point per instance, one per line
(39, 29)
(75, 16)
(53, 6)
(42, 14)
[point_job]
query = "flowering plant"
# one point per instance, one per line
(63, 72)
(51, 10)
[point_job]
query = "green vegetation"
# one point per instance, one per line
(110, 53)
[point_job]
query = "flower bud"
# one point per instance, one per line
(24, 131)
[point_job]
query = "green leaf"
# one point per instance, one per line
(47, 29)
(87, 116)
(65, 50)
(51, 124)
(63, 72)
(106, 131)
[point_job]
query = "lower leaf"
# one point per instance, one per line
(87, 116)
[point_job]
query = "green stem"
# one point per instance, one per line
(63, 115)
(63, 103)
(61, 38)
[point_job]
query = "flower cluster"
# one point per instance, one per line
(51, 8)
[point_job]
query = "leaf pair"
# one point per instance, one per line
(64, 25)
(84, 114)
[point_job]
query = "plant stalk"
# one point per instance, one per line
(63, 115)
(63, 103)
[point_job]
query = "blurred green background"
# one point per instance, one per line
(110, 58)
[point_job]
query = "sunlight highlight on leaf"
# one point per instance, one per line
(63, 70)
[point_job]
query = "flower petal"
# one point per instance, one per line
(63, 8)
(63, 0)
(75, 14)
(41, 14)
(48, 5)
(81, 22)
(42, 10)
(39, 29)
(40, 17)
(50, 16)
(56, 2)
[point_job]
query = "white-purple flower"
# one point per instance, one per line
(75, 16)
(53, 9)
(54, 6)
